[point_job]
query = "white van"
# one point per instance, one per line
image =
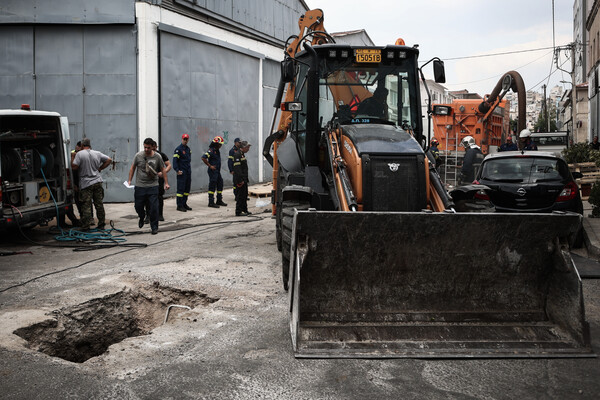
(553, 142)
(35, 167)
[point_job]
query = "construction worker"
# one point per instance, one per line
(240, 179)
(90, 163)
(509, 145)
(182, 164)
(146, 165)
(212, 159)
(376, 105)
(435, 152)
(526, 142)
(236, 146)
(471, 161)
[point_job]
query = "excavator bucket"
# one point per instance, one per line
(435, 285)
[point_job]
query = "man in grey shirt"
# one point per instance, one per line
(89, 163)
(148, 164)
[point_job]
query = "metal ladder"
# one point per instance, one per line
(451, 161)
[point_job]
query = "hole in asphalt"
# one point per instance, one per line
(86, 330)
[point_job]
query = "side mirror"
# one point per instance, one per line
(439, 72)
(577, 175)
(287, 70)
(291, 106)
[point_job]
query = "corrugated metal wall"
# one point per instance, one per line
(271, 74)
(277, 19)
(67, 12)
(87, 73)
(206, 90)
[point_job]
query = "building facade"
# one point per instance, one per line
(593, 54)
(125, 70)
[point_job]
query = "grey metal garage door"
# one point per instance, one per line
(207, 90)
(87, 73)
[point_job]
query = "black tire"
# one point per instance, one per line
(288, 209)
(278, 228)
(280, 185)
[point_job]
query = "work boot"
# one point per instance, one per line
(141, 223)
(221, 203)
(161, 218)
(180, 208)
(213, 205)
(188, 207)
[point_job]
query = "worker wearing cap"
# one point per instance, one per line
(212, 159)
(240, 179)
(509, 145)
(236, 146)
(182, 165)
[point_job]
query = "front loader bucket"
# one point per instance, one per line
(379, 284)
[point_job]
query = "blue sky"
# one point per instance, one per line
(461, 28)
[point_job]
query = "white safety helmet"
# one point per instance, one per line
(467, 142)
(524, 134)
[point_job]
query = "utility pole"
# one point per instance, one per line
(545, 107)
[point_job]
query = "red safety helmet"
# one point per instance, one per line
(434, 141)
(185, 136)
(218, 139)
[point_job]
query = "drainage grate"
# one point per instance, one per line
(86, 330)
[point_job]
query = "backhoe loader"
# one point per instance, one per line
(375, 258)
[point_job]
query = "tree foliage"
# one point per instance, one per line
(581, 153)
(542, 124)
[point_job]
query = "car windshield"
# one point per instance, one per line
(524, 170)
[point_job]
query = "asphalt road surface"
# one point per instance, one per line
(226, 335)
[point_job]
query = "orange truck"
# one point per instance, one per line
(486, 121)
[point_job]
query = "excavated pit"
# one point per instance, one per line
(86, 330)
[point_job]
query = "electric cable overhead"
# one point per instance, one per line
(497, 54)
(499, 75)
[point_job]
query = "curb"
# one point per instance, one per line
(591, 240)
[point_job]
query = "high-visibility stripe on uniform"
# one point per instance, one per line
(179, 195)
(186, 194)
(211, 192)
(176, 155)
(237, 163)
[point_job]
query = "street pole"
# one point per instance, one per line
(546, 109)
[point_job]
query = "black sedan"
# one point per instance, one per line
(530, 181)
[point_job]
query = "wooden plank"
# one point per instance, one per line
(584, 167)
(263, 190)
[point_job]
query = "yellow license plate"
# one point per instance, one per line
(368, 55)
